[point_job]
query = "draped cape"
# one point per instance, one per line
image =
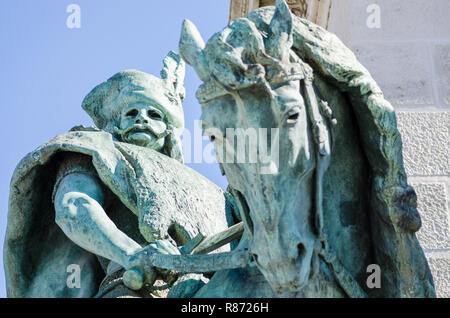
(164, 195)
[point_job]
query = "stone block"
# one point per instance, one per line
(441, 57)
(403, 71)
(432, 206)
(439, 265)
(426, 142)
(400, 20)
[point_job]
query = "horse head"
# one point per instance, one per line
(254, 111)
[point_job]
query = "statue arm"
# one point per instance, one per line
(79, 213)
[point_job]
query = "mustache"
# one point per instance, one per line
(140, 128)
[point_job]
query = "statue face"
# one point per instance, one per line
(143, 125)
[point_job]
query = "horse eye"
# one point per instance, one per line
(132, 113)
(212, 137)
(293, 115)
(154, 114)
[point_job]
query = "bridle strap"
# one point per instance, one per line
(323, 142)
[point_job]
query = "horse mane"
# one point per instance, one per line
(235, 64)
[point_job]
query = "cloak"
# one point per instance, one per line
(162, 193)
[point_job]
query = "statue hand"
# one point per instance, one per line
(138, 274)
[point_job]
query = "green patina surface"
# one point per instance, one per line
(332, 199)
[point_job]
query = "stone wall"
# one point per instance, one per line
(405, 44)
(407, 50)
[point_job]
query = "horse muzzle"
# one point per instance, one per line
(287, 274)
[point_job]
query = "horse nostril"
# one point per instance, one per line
(254, 259)
(301, 250)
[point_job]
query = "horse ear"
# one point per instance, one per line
(280, 40)
(173, 73)
(191, 49)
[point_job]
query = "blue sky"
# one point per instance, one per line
(46, 68)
